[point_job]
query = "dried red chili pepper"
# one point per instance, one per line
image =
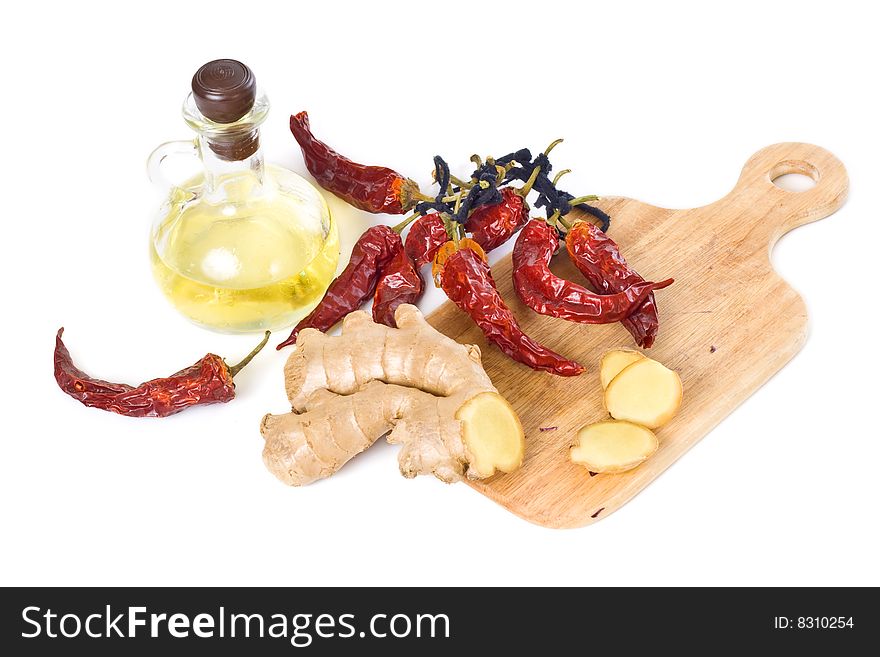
(492, 225)
(547, 294)
(208, 381)
(599, 260)
(450, 247)
(467, 281)
(425, 236)
(400, 282)
(370, 188)
(357, 282)
(491, 214)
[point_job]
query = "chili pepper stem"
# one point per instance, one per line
(583, 199)
(553, 145)
(431, 199)
(559, 175)
(563, 221)
(525, 189)
(453, 228)
(406, 222)
(455, 180)
(235, 369)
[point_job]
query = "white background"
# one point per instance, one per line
(662, 102)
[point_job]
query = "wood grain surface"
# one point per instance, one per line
(727, 325)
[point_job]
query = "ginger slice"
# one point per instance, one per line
(614, 361)
(613, 446)
(644, 392)
(492, 433)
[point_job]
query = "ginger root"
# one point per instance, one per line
(428, 391)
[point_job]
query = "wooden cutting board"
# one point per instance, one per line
(727, 325)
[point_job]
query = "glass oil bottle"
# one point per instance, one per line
(243, 246)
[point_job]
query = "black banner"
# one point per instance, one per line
(109, 621)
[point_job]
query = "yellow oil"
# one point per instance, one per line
(245, 256)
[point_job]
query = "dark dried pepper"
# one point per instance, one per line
(548, 294)
(208, 381)
(467, 281)
(370, 188)
(357, 282)
(400, 283)
(599, 260)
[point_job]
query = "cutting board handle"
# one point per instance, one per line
(778, 210)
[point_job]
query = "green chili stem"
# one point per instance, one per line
(559, 175)
(450, 226)
(583, 199)
(553, 145)
(457, 204)
(406, 222)
(525, 189)
(459, 182)
(431, 199)
(235, 369)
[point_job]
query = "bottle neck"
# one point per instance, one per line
(230, 152)
(225, 160)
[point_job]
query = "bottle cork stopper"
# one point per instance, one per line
(224, 90)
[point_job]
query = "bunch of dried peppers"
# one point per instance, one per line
(455, 228)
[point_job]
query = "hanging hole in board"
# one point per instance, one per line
(794, 175)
